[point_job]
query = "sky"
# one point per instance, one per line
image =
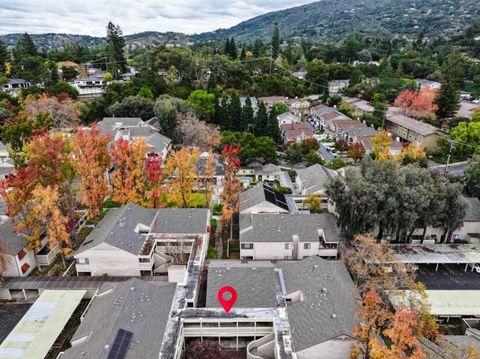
(89, 17)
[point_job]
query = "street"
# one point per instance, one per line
(454, 169)
(326, 155)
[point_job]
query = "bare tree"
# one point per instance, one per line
(196, 133)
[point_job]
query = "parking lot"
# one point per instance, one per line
(448, 276)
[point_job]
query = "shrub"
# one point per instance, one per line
(217, 210)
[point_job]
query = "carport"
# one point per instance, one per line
(465, 254)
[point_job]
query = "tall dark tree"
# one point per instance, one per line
(235, 112)
(233, 49)
(4, 57)
(243, 54)
(472, 176)
(247, 115)
(116, 63)
(24, 47)
(261, 120)
(227, 49)
(448, 100)
(258, 48)
(273, 130)
(275, 40)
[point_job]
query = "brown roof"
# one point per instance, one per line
(295, 130)
(419, 127)
(333, 115)
(295, 126)
(346, 123)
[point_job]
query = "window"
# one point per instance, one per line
(25, 267)
(82, 261)
(21, 254)
(247, 245)
(307, 245)
(288, 245)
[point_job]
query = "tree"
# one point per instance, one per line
(116, 63)
(203, 103)
(4, 57)
(314, 203)
(231, 184)
(419, 105)
(166, 109)
(234, 113)
(275, 41)
(468, 133)
(261, 120)
(313, 158)
(247, 116)
(454, 211)
(294, 154)
(356, 151)
(448, 100)
(91, 162)
(472, 174)
(381, 145)
(133, 106)
(317, 73)
(61, 109)
(24, 48)
(209, 174)
(196, 133)
(181, 169)
(251, 147)
(154, 172)
(413, 153)
(273, 130)
(128, 177)
(63, 87)
(4, 259)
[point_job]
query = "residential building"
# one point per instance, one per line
(268, 173)
(129, 128)
(92, 86)
(321, 302)
(271, 236)
(336, 86)
(298, 107)
(396, 147)
(288, 118)
(317, 112)
(433, 85)
(411, 130)
(269, 101)
(262, 199)
(135, 241)
(296, 132)
(314, 180)
(467, 109)
(253, 100)
(124, 320)
(13, 86)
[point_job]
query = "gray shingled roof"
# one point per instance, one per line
(473, 210)
(117, 228)
(181, 221)
(328, 309)
(256, 283)
(411, 124)
(256, 195)
(272, 227)
(315, 178)
(137, 306)
(13, 242)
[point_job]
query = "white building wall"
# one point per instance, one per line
(107, 259)
(14, 268)
(267, 251)
(264, 207)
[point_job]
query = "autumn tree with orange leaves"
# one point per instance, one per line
(128, 177)
(356, 151)
(181, 168)
(381, 145)
(154, 172)
(231, 184)
(208, 177)
(92, 161)
(418, 104)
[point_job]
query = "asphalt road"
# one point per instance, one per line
(454, 169)
(449, 276)
(326, 155)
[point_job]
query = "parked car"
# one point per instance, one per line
(476, 268)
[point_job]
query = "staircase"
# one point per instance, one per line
(263, 348)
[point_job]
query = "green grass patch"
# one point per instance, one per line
(213, 224)
(217, 210)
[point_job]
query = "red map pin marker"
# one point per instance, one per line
(227, 304)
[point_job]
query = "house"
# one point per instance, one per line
(467, 109)
(433, 85)
(298, 107)
(142, 241)
(363, 107)
(92, 81)
(130, 128)
(336, 86)
(134, 316)
(269, 173)
(321, 302)
(269, 101)
(253, 100)
(411, 130)
(396, 147)
(317, 112)
(314, 179)
(296, 132)
(262, 199)
(271, 236)
(288, 118)
(15, 85)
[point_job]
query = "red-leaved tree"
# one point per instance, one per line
(419, 105)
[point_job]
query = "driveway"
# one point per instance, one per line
(326, 155)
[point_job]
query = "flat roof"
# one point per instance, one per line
(446, 302)
(37, 331)
(436, 253)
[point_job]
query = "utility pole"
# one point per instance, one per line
(448, 158)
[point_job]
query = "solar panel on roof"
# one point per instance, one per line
(120, 344)
(275, 197)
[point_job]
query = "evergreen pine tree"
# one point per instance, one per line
(273, 130)
(233, 49)
(24, 47)
(235, 112)
(247, 116)
(448, 101)
(261, 120)
(243, 54)
(4, 57)
(275, 41)
(227, 49)
(116, 63)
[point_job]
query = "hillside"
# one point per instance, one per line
(56, 41)
(333, 19)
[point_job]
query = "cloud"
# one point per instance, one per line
(90, 17)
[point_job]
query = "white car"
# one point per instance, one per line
(476, 268)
